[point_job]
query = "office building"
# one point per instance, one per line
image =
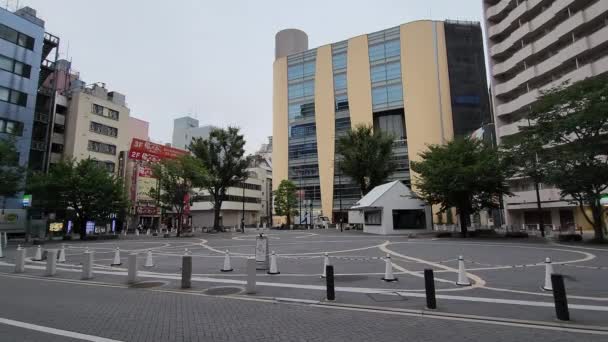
(533, 46)
(424, 82)
(185, 129)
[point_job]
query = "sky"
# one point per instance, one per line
(210, 59)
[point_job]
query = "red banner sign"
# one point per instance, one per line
(147, 210)
(151, 152)
(144, 171)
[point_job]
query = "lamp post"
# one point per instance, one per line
(340, 194)
(243, 216)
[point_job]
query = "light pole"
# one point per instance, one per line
(243, 217)
(340, 194)
(300, 199)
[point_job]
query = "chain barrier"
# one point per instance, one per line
(587, 267)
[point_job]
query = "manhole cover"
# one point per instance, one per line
(147, 284)
(223, 291)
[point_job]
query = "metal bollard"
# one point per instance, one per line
(132, 268)
(51, 263)
(87, 265)
(20, 260)
(559, 296)
(186, 271)
(429, 286)
(251, 274)
(329, 279)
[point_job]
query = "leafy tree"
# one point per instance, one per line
(285, 200)
(11, 173)
(177, 177)
(84, 187)
(466, 174)
(365, 156)
(223, 154)
(571, 123)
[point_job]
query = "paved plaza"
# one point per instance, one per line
(505, 302)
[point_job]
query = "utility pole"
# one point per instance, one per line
(243, 217)
(340, 195)
(300, 199)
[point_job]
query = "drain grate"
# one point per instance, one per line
(223, 291)
(147, 284)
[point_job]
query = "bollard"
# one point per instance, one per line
(87, 265)
(274, 266)
(51, 263)
(132, 268)
(61, 254)
(548, 272)
(1, 246)
(149, 262)
(116, 261)
(38, 254)
(20, 260)
(329, 280)
(388, 270)
(463, 280)
(326, 263)
(429, 286)
(227, 265)
(251, 265)
(559, 296)
(186, 271)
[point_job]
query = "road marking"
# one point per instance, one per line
(54, 331)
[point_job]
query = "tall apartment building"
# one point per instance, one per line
(185, 129)
(533, 46)
(424, 82)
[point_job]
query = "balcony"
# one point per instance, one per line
(516, 81)
(519, 56)
(60, 119)
(525, 197)
(562, 56)
(493, 11)
(512, 18)
(512, 128)
(41, 117)
(58, 138)
(38, 146)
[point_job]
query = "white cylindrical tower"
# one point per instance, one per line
(290, 41)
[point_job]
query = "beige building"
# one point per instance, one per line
(424, 82)
(533, 46)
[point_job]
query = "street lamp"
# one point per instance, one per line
(243, 217)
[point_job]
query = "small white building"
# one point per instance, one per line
(391, 208)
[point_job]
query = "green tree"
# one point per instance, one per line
(365, 156)
(571, 123)
(285, 200)
(466, 174)
(177, 178)
(11, 173)
(84, 188)
(223, 155)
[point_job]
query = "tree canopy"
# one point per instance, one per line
(223, 154)
(11, 173)
(365, 156)
(285, 200)
(466, 174)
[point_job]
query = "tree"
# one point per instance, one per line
(11, 173)
(571, 123)
(84, 187)
(466, 174)
(177, 177)
(365, 156)
(285, 200)
(223, 155)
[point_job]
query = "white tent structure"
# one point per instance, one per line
(391, 208)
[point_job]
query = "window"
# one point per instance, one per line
(342, 124)
(301, 110)
(379, 96)
(373, 217)
(300, 131)
(409, 219)
(13, 96)
(307, 150)
(57, 148)
(339, 81)
(376, 52)
(16, 37)
(391, 122)
(11, 65)
(11, 127)
(301, 70)
(96, 146)
(395, 93)
(378, 73)
(392, 48)
(387, 96)
(341, 102)
(386, 72)
(97, 109)
(108, 165)
(339, 61)
(113, 114)
(384, 50)
(103, 129)
(393, 70)
(302, 89)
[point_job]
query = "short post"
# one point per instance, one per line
(132, 266)
(20, 260)
(87, 265)
(429, 286)
(329, 279)
(559, 296)
(251, 274)
(51, 263)
(186, 271)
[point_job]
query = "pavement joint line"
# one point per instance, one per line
(54, 331)
(566, 327)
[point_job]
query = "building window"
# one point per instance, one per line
(16, 37)
(11, 127)
(103, 129)
(13, 96)
(384, 50)
(339, 61)
(301, 131)
(409, 219)
(341, 102)
(307, 150)
(301, 111)
(56, 148)
(373, 217)
(100, 147)
(386, 72)
(302, 89)
(113, 114)
(108, 165)
(387, 96)
(97, 109)
(301, 70)
(339, 81)
(15, 67)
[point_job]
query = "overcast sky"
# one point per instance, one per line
(210, 59)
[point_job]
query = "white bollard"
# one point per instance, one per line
(132, 265)
(463, 280)
(87, 265)
(325, 264)
(136, 232)
(61, 256)
(116, 261)
(548, 271)
(187, 252)
(227, 264)
(274, 267)
(20, 260)
(251, 274)
(388, 269)
(51, 263)
(38, 255)
(149, 262)
(124, 232)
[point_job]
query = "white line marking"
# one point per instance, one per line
(54, 331)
